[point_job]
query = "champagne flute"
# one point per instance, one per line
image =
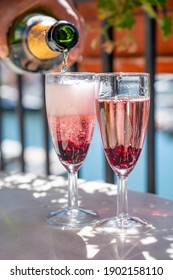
(122, 108)
(71, 117)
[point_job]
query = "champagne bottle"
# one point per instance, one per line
(37, 43)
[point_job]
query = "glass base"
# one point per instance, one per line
(73, 218)
(131, 226)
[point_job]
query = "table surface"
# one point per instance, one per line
(26, 200)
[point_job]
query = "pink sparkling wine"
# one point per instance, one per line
(71, 137)
(123, 122)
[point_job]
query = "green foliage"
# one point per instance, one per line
(120, 14)
(166, 24)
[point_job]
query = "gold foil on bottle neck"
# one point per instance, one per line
(37, 42)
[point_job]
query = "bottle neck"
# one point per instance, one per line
(36, 37)
(47, 37)
(62, 36)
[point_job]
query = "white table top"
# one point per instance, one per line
(26, 199)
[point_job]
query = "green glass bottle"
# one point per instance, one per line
(37, 42)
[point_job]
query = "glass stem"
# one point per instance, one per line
(72, 190)
(122, 201)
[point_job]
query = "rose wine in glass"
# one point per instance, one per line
(71, 137)
(71, 118)
(122, 106)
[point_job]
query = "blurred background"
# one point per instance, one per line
(25, 144)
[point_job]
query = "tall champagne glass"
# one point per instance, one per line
(122, 107)
(71, 118)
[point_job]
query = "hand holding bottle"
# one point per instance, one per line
(59, 9)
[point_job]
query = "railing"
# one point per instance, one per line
(107, 59)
